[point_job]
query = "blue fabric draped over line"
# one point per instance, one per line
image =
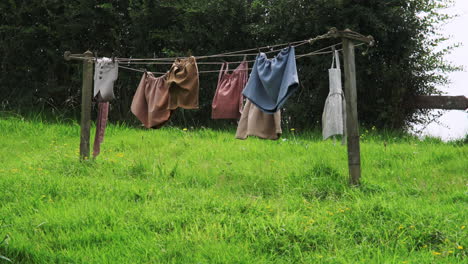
(272, 81)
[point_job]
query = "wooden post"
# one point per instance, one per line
(86, 96)
(352, 125)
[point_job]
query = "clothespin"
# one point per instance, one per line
(245, 57)
(333, 49)
(129, 60)
(364, 53)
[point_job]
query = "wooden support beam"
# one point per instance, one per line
(439, 102)
(86, 96)
(352, 123)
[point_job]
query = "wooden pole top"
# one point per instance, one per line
(352, 35)
(84, 56)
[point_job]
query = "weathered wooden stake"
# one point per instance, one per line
(86, 96)
(352, 125)
(439, 102)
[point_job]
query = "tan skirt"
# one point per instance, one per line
(254, 122)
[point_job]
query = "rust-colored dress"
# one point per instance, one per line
(227, 102)
(150, 102)
(183, 83)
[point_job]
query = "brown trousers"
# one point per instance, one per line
(150, 102)
(183, 83)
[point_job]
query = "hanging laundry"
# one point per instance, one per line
(103, 111)
(105, 74)
(334, 112)
(183, 83)
(151, 99)
(272, 81)
(255, 122)
(228, 99)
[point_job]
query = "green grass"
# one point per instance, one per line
(201, 196)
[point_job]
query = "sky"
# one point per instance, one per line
(455, 122)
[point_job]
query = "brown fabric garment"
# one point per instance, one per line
(150, 102)
(103, 111)
(183, 83)
(227, 102)
(255, 122)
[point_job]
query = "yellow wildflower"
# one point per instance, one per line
(450, 251)
(412, 226)
(185, 129)
(120, 155)
(293, 129)
(425, 246)
(400, 227)
(435, 253)
(462, 227)
(460, 247)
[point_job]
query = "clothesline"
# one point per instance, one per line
(313, 53)
(213, 71)
(227, 54)
(129, 60)
(170, 60)
(233, 62)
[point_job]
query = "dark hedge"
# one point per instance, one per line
(34, 35)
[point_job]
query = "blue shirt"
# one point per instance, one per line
(272, 81)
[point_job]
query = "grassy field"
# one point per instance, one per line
(201, 196)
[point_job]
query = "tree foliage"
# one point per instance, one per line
(406, 60)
